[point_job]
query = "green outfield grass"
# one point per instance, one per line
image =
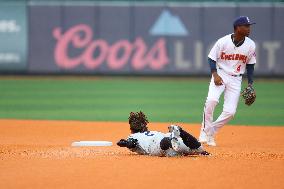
(111, 99)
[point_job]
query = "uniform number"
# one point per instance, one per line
(239, 68)
(149, 134)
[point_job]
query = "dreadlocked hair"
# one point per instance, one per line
(138, 122)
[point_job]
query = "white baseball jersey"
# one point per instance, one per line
(149, 142)
(233, 59)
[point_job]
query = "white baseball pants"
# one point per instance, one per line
(231, 88)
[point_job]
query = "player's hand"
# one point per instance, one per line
(250, 85)
(217, 79)
(122, 143)
(129, 143)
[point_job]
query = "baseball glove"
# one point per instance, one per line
(249, 95)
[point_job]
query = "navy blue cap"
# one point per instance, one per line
(242, 20)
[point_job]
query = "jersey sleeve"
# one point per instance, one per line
(252, 55)
(213, 54)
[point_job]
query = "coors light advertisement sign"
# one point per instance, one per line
(137, 39)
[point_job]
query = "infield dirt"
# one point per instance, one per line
(38, 154)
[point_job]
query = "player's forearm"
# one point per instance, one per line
(212, 65)
(250, 70)
(217, 79)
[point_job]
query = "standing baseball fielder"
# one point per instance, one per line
(228, 59)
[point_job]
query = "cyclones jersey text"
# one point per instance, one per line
(239, 57)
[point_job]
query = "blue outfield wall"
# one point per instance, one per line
(131, 38)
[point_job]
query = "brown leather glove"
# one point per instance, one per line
(249, 95)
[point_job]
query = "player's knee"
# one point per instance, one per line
(165, 143)
(212, 100)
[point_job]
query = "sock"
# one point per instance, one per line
(189, 140)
